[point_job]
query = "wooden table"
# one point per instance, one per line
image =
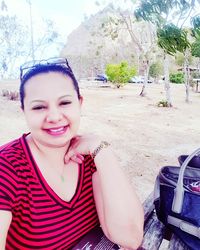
(155, 232)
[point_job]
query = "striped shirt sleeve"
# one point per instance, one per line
(90, 161)
(8, 184)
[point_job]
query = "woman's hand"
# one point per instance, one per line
(81, 145)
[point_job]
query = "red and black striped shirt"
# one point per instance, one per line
(40, 218)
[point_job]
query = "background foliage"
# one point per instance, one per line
(177, 77)
(120, 74)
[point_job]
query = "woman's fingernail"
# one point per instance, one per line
(80, 157)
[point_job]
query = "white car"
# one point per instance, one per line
(138, 79)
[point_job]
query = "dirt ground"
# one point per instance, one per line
(144, 136)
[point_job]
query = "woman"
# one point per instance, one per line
(55, 186)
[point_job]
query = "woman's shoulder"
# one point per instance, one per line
(11, 157)
(11, 147)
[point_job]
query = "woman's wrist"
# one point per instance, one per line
(100, 146)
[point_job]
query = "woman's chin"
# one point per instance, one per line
(60, 144)
(55, 141)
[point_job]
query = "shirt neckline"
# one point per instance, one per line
(45, 184)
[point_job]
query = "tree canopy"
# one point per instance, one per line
(15, 41)
(172, 39)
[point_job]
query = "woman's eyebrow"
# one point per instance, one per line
(65, 96)
(37, 101)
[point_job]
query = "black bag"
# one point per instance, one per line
(177, 199)
(194, 162)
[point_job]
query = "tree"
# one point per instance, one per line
(12, 44)
(15, 44)
(195, 46)
(3, 6)
(142, 42)
(120, 74)
(163, 13)
(172, 39)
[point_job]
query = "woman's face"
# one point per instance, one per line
(52, 109)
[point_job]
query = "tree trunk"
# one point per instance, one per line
(187, 76)
(143, 91)
(167, 83)
(199, 65)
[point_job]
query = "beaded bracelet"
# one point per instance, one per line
(103, 144)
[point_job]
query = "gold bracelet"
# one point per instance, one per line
(103, 144)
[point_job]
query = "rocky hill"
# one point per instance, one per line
(89, 49)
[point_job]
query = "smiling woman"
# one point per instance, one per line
(56, 185)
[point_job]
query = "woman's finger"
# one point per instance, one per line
(80, 156)
(74, 158)
(74, 140)
(68, 155)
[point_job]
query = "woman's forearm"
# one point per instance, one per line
(123, 213)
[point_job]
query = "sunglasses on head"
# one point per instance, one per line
(28, 66)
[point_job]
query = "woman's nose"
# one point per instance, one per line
(54, 115)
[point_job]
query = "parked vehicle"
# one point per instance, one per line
(101, 77)
(139, 79)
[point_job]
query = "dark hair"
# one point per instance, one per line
(38, 69)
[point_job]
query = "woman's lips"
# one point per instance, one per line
(57, 131)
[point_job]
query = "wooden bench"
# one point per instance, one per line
(155, 232)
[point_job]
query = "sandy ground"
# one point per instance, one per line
(143, 136)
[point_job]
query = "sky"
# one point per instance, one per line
(66, 14)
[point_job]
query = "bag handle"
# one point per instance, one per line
(179, 190)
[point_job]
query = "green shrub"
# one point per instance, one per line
(163, 103)
(177, 77)
(120, 74)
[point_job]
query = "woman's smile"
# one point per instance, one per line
(57, 130)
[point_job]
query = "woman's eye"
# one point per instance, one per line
(65, 103)
(38, 107)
